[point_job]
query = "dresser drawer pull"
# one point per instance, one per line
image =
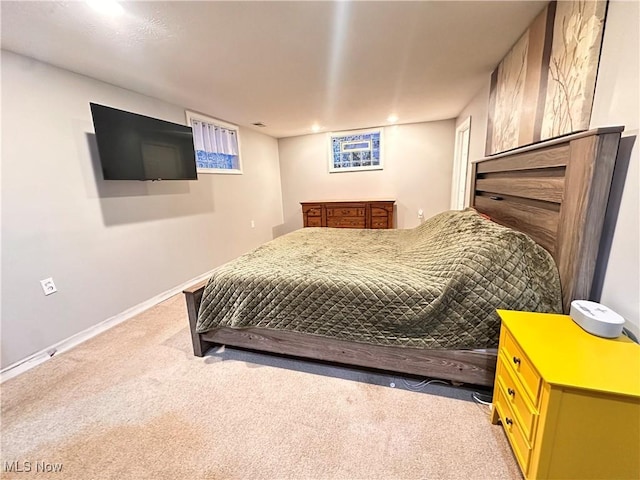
(508, 421)
(511, 392)
(516, 360)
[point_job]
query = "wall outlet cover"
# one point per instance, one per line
(48, 287)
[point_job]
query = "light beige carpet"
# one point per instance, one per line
(134, 403)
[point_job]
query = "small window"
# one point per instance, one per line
(355, 150)
(217, 144)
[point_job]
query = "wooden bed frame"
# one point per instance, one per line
(555, 191)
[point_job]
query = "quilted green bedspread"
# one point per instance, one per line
(435, 286)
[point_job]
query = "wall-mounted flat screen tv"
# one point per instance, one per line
(135, 147)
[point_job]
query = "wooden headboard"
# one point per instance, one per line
(556, 192)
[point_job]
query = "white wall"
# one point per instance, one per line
(109, 245)
(417, 173)
(477, 109)
(616, 102)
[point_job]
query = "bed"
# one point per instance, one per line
(555, 192)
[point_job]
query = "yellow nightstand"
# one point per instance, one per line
(569, 401)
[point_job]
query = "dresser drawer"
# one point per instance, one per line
(519, 444)
(522, 368)
(345, 212)
(517, 399)
(345, 222)
(314, 212)
(314, 222)
(379, 222)
(379, 212)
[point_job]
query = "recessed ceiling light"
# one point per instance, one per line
(106, 7)
(315, 127)
(392, 118)
(259, 124)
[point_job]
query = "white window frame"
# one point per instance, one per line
(460, 165)
(332, 135)
(219, 123)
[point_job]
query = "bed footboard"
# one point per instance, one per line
(193, 297)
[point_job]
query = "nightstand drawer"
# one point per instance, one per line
(512, 392)
(513, 430)
(522, 367)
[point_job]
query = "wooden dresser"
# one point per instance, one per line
(569, 401)
(349, 214)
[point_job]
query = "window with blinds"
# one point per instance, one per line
(217, 144)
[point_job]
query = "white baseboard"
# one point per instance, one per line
(42, 356)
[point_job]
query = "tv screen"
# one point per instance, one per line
(135, 147)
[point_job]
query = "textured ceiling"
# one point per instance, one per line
(286, 64)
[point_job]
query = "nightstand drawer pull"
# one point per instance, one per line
(508, 421)
(511, 392)
(516, 360)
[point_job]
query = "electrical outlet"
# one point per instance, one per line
(253, 224)
(48, 287)
(420, 214)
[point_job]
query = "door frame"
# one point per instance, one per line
(460, 165)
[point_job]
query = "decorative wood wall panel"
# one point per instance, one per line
(571, 82)
(544, 86)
